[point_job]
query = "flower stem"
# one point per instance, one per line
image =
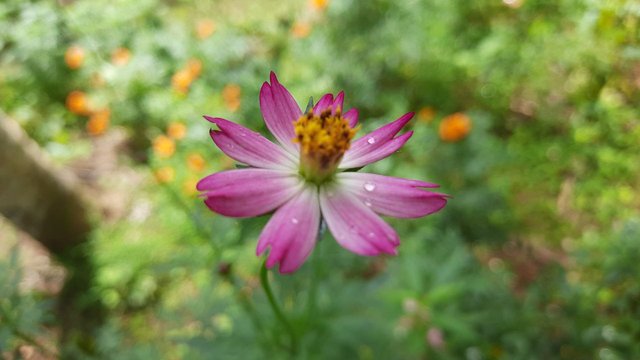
(264, 281)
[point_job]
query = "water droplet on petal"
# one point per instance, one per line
(369, 186)
(367, 203)
(294, 220)
(371, 140)
(371, 234)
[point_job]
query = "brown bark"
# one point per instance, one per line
(36, 196)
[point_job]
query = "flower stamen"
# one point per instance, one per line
(323, 141)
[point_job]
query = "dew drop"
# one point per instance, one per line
(369, 186)
(371, 234)
(367, 203)
(371, 140)
(294, 220)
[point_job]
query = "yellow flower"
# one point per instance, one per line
(205, 28)
(164, 174)
(454, 127)
(301, 29)
(231, 96)
(77, 103)
(177, 130)
(195, 162)
(181, 80)
(163, 146)
(74, 57)
(120, 56)
(98, 122)
(426, 114)
(319, 4)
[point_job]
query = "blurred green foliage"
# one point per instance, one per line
(534, 257)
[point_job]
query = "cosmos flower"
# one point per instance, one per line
(454, 127)
(74, 57)
(99, 122)
(309, 175)
(120, 56)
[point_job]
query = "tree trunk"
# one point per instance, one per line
(38, 198)
(46, 203)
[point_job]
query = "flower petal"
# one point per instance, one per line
(280, 111)
(248, 192)
(354, 226)
(338, 103)
(325, 101)
(373, 141)
(249, 147)
(292, 231)
(392, 196)
(352, 117)
(376, 153)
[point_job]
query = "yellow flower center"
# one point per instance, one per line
(323, 141)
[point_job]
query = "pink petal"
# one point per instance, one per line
(354, 226)
(248, 192)
(280, 111)
(376, 153)
(325, 101)
(360, 152)
(392, 196)
(292, 231)
(249, 147)
(352, 117)
(338, 103)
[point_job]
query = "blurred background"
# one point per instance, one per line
(527, 114)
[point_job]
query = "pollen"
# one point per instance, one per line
(323, 140)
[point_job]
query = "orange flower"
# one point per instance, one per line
(98, 122)
(182, 80)
(164, 174)
(454, 127)
(195, 67)
(301, 29)
(231, 96)
(426, 114)
(189, 187)
(163, 146)
(74, 57)
(77, 103)
(195, 162)
(177, 130)
(205, 28)
(120, 56)
(319, 4)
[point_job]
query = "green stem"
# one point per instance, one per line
(264, 281)
(313, 285)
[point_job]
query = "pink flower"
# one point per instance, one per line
(306, 177)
